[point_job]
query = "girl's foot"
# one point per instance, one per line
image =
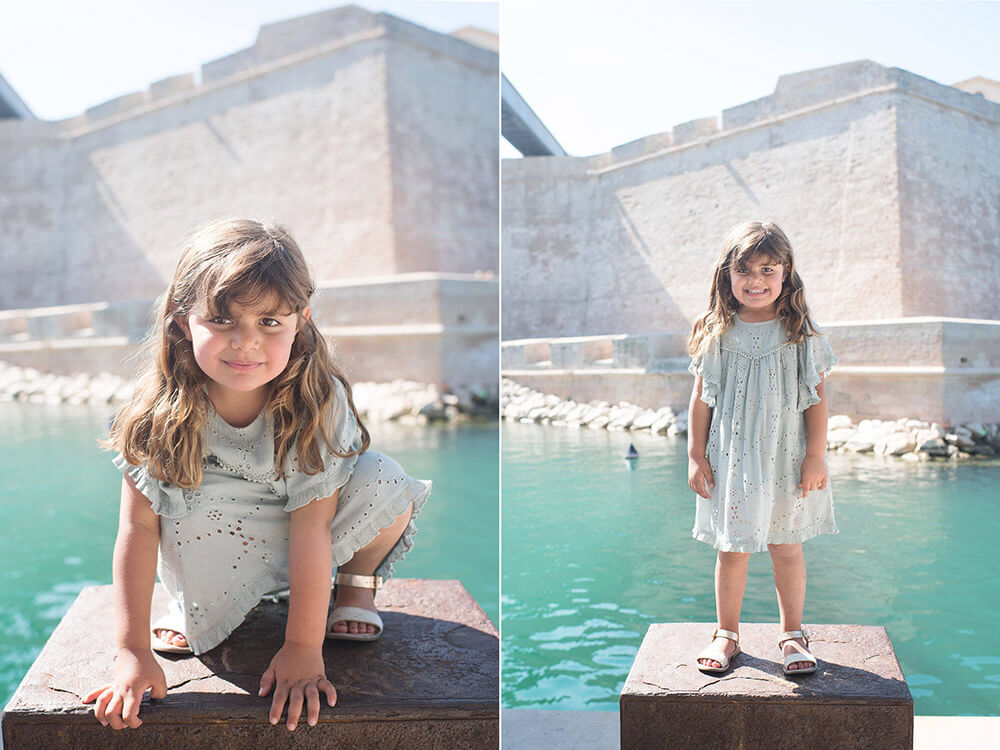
(796, 646)
(728, 648)
(354, 596)
(171, 636)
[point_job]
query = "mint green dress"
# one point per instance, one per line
(224, 545)
(759, 386)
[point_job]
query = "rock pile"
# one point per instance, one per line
(909, 439)
(518, 403)
(401, 400)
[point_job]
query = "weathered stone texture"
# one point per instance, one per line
(873, 172)
(858, 697)
(431, 681)
(303, 128)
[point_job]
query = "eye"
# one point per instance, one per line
(219, 321)
(767, 269)
(270, 322)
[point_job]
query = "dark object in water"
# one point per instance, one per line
(631, 453)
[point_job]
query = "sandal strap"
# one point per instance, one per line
(726, 634)
(791, 635)
(361, 582)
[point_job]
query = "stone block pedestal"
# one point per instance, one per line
(857, 698)
(431, 681)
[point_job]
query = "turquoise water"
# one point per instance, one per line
(595, 551)
(59, 516)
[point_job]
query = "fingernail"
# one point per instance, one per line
(274, 721)
(260, 692)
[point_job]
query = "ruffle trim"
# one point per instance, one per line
(322, 485)
(234, 615)
(792, 537)
(816, 360)
(413, 491)
(166, 499)
(709, 367)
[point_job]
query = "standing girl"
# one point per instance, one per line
(757, 434)
(246, 466)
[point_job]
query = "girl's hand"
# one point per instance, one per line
(700, 476)
(118, 702)
(297, 672)
(813, 474)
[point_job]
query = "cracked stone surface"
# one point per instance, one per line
(857, 696)
(432, 677)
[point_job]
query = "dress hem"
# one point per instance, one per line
(803, 536)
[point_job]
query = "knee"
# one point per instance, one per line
(734, 558)
(785, 552)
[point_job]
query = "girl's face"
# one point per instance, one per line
(757, 285)
(244, 352)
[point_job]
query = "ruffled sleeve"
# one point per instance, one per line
(345, 434)
(709, 367)
(166, 499)
(816, 360)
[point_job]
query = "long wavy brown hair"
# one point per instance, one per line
(227, 261)
(743, 243)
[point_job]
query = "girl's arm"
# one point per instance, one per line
(699, 418)
(134, 574)
(134, 566)
(297, 672)
(813, 473)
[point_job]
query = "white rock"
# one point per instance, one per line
(898, 444)
(838, 421)
(860, 445)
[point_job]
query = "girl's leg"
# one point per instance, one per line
(730, 582)
(364, 563)
(790, 584)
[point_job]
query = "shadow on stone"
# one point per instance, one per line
(857, 697)
(432, 679)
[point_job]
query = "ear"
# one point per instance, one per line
(182, 323)
(303, 317)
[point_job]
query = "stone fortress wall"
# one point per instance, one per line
(887, 184)
(373, 139)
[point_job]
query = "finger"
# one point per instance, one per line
(92, 695)
(708, 476)
(114, 712)
(266, 682)
(312, 704)
(278, 703)
(158, 688)
(331, 692)
(101, 706)
(294, 706)
(130, 711)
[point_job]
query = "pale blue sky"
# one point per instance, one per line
(63, 56)
(603, 73)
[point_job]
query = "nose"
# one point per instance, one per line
(243, 338)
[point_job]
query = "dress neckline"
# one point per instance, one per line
(758, 323)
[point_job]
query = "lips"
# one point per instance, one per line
(242, 366)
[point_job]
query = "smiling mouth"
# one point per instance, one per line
(755, 293)
(242, 365)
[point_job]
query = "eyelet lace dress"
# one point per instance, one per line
(759, 386)
(224, 545)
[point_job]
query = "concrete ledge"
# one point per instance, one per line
(534, 729)
(431, 681)
(857, 698)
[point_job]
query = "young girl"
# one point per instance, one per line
(246, 465)
(757, 434)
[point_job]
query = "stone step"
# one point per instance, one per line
(431, 681)
(857, 698)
